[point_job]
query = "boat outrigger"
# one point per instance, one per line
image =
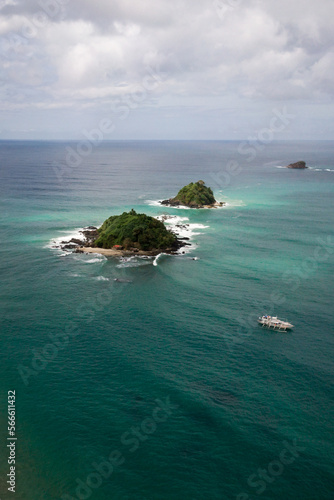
(275, 323)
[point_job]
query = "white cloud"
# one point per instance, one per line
(60, 52)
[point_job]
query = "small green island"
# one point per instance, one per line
(132, 233)
(194, 195)
(128, 234)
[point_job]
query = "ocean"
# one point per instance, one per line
(161, 386)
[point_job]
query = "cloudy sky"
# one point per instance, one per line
(166, 69)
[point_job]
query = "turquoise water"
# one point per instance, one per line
(182, 333)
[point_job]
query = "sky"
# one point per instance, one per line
(167, 69)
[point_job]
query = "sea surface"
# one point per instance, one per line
(161, 386)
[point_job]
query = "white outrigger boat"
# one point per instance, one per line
(275, 323)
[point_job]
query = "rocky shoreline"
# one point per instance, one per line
(297, 165)
(177, 204)
(90, 234)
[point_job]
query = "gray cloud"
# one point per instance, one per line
(82, 57)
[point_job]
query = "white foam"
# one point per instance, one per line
(315, 169)
(235, 203)
(153, 203)
(67, 235)
(88, 258)
(155, 262)
(183, 229)
(128, 259)
(102, 278)
(92, 261)
(157, 203)
(133, 261)
(198, 226)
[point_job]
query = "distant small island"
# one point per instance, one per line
(298, 164)
(194, 195)
(127, 234)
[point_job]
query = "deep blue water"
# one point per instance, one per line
(182, 333)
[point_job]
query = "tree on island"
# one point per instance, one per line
(194, 195)
(132, 230)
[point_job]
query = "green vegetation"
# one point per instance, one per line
(132, 230)
(195, 194)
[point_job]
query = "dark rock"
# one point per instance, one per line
(298, 165)
(91, 234)
(69, 247)
(171, 203)
(76, 241)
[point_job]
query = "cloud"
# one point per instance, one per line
(71, 53)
